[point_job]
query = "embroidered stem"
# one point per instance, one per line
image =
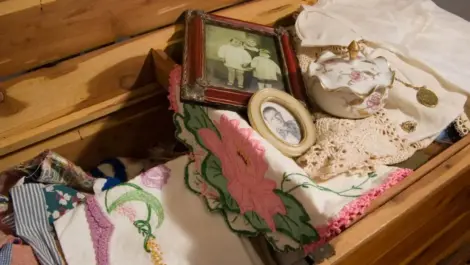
(314, 185)
(152, 203)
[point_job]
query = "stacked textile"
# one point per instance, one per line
(54, 218)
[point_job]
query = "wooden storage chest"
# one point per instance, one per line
(108, 102)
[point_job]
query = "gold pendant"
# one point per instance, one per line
(408, 126)
(426, 97)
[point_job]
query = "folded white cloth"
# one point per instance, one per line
(412, 49)
(416, 28)
(111, 227)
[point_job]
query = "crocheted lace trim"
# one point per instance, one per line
(462, 125)
(101, 230)
(354, 146)
(354, 210)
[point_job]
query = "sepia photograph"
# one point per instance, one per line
(281, 122)
(226, 61)
(241, 60)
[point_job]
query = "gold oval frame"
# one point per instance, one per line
(296, 109)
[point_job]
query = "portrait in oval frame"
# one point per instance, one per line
(282, 120)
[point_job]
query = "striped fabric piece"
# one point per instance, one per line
(9, 220)
(5, 254)
(32, 224)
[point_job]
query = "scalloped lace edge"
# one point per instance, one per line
(354, 210)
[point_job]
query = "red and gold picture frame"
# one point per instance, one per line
(226, 61)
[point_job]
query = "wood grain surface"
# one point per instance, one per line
(34, 34)
(428, 203)
(97, 78)
(129, 132)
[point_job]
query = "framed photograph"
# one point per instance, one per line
(226, 61)
(282, 120)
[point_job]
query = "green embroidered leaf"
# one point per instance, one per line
(239, 224)
(196, 118)
(257, 222)
(140, 195)
(212, 173)
(295, 223)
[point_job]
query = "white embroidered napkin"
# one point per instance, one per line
(154, 212)
(258, 190)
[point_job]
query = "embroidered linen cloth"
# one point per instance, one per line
(151, 219)
(257, 190)
(413, 54)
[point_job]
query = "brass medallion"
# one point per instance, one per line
(408, 126)
(426, 97)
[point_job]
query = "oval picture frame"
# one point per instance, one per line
(282, 120)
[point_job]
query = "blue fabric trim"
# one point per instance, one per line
(118, 167)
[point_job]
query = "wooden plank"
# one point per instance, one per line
(388, 233)
(453, 243)
(163, 66)
(417, 174)
(95, 78)
(129, 132)
(33, 36)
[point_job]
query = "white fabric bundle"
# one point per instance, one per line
(424, 44)
(188, 235)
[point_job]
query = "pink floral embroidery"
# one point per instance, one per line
(243, 165)
(207, 192)
(374, 100)
(173, 90)
(128, 212)
(354, 210)
(197, 157)
(101, 230)
(356, 76)
(156, 177)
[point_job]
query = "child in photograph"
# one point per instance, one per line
(251, 46)
(235, 58)
(288, 130)
(265, 69)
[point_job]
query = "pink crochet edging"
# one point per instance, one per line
(173, 89)
(354, 210)
(101, 230)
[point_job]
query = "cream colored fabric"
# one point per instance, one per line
(462, 125)
(354, 146)
(189, 234)
(419, 29)
(325, 24)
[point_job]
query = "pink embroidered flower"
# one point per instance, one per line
(374, 100)
(156, 177)
(197, 157)
(208, 192)
(128, 212)
(356, 76)
(243, 165)
(173, 90)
